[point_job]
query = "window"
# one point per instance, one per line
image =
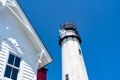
(12, 67)
(66, 77)
(79, 51)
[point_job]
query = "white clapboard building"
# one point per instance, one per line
(22, 52)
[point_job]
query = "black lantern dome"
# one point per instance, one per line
(68, 26)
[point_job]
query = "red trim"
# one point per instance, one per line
(41, 75)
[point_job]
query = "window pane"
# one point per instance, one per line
(8, 71)
(11, 59)
(17, 62)
(66, 77)
(14, 74)
(79, 51)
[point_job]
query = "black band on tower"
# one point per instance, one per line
(73, 36)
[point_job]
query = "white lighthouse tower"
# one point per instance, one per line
(73, 67)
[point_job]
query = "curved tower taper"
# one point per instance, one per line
(73, 67)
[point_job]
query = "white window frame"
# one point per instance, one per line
(12, 66)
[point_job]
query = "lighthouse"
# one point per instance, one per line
(73, 67)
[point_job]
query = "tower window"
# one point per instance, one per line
(79, 51)
(66, 77)
(12, 67)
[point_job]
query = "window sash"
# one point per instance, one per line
(15, 60)
(13, 67)
(11, 74)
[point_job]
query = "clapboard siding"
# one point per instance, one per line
(2, 62)
(3, 56)
(29, 65)
(28, 73)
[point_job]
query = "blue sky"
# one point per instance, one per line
(98, 23)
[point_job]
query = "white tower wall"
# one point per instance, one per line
(73, 67)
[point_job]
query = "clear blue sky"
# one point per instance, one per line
(98, 23)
